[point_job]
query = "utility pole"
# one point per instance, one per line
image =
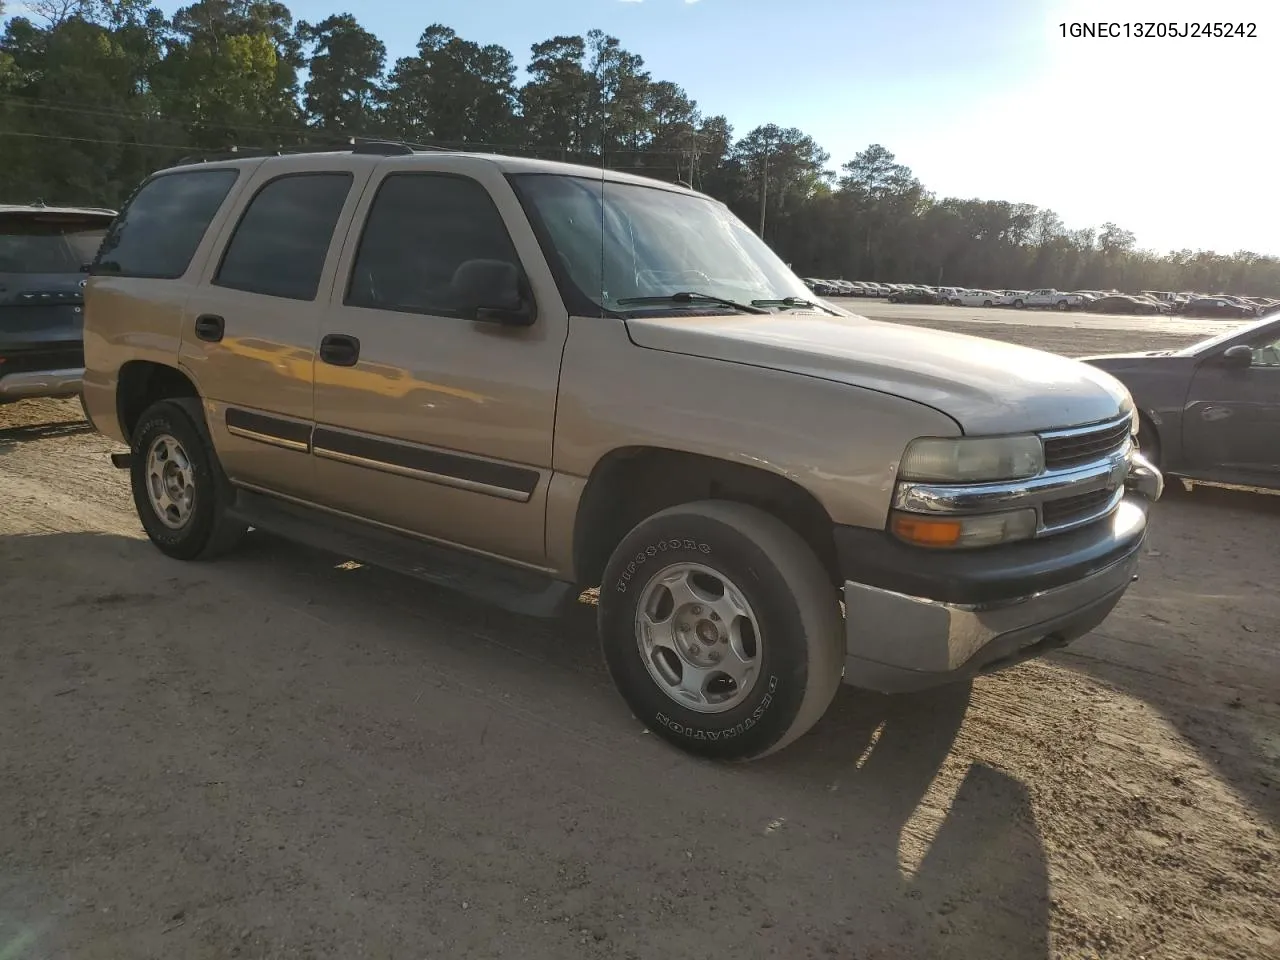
(764, 184)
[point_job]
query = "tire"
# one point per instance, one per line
(797, 648)
(987, 304)
(1149, 441)
(1063, 305)
(1018, 304)
(197, 527)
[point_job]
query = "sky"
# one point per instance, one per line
(1173, 138)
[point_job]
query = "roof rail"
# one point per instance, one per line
(383, 148)
(357, 145)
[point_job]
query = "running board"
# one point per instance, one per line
(517, 590)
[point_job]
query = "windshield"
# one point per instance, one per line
(617, 241)
(48, 245)
(1236, 331)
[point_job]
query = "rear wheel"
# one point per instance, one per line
(1062, 304)
(1018, 304)
(721, 629)
(179, 489)
(986, 303)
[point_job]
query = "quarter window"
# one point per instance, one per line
(158, 231)
(420, 229)
(280, 244)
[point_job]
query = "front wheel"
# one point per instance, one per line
(986, 303)
(1018, 304)
(721, 629)
(179, 489)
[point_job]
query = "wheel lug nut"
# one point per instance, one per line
(697, 611)
(714, 615)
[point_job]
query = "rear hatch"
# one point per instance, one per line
(42, 251)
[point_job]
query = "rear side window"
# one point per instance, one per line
(157, 233)
(49, 244)
(279, 245)
(420, 229)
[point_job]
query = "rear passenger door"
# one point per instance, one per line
(249, 331)
(428, 421)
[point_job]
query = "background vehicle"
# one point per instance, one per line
(42, 251)
(1122, 304)
(1210, 412)
(1047, 297)
(822, 288)
(975, 298)
(914, 295)
(1219, 308)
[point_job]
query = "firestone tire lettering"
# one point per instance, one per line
(728, 733)
(652, 551)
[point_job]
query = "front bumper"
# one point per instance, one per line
(909, 628)
(40, 383)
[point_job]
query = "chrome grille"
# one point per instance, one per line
(1082, 507)
(1071, 448)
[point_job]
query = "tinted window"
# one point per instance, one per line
(280, 243)
(157, 233)
(39, 244)
(420, 229)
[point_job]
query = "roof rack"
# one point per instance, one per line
(356, 145)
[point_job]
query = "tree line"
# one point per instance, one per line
(97, 94)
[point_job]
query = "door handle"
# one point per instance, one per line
(210, 327)
(340, 350)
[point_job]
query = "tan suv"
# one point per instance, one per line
(522, 379)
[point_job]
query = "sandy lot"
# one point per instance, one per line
(278, 755)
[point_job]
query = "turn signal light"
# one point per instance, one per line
(983, 530)
(927, 531)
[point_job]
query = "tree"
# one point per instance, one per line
(556, 101)
(230, 71)
(618, 114)
(783, 167)
(880, 191)
(452, 91)
(345, 65)
(97, 94)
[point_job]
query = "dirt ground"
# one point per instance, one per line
(280, 755)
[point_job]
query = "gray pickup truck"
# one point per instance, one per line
(523, 379)
(43, 255)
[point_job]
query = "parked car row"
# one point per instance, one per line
(1151, 302)
(849, 288)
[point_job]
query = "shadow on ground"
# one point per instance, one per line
(1224, 699)
(13, 437)
(282, 658)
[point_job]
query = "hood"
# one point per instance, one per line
(986, 386)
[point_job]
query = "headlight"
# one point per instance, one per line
(984, 530)
(972, 459)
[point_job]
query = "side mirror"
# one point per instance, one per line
(490, 291)
(1238, 356)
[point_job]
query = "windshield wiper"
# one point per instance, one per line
(691, 296)
(795, 302)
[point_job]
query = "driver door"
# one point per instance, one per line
(427, 421)
(1232, 417)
